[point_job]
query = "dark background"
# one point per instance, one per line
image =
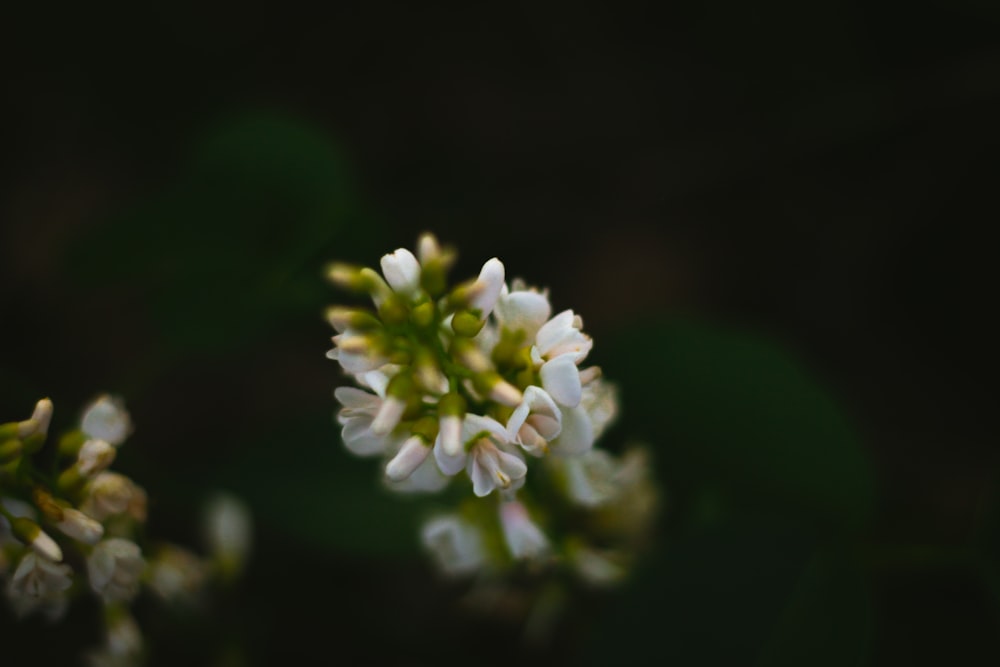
(768, 215)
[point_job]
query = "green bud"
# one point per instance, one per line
(70, 443)
(11, 450)
(34, 442)
(400, 386)
(506, 353)
(434, 277)
(452, 405)
(394, 310)
(426, 428)
(70, 480)
(347, 277)
(26, 530)
(423, 315)
(466, 323)
(484, 382)
(8, 430)
(342, 318)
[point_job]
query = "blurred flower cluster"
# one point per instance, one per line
(71, 526)
(481, 381)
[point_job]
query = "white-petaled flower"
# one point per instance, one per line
(595, 567)
(600, 402)
(79, 526)
(559, 347)
(31, 534)
(38, 422)
(482, 294)
(426, 478)
(228, 531)
(455, 545)
(577, 434)
(520, 309)
(114, 568)
(106, 419)
(39, 585)
(535, 422)
(123, 645)
(110, 494)
(357, 351)
(484, 457)
(356, 416)
(176, 574)
(402, 271)
(95, 456)
(591, 479)
(524, 538)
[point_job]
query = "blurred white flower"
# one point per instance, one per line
(114, 568)
(106, 419)
(455, 545)
(521, 309)
(525, 540)
(356, 416)
(110, 494)
(123, 644)
(79, 526)
(535, 422)
(176, 574)
(228, 531)
(39, 585)
(94, 457)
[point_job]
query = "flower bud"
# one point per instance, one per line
(10, 451)
(402, 271)
(107, 419)
(29, 533)
(95, 456)
(79, 526)
(413, 452)
(341, 319)
(498, 389)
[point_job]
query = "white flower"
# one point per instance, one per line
(484, 458)
(427, 478)
(559, 347)
(455, 545)
(176, 574)
(402, 271)
(357, 351)
(79, 526)
(228, 531)
(94, 456)
(522, 310)
(534, 422)
(114, 568)
(38, 422)
(577, 434)
(595, 567)
(482, 294)
(107, 419)
(38, 584)
(591, 479)
(110, 494)
(123, 644)
(524, 538)
(356, 416)
(409, 457)
(600, 401)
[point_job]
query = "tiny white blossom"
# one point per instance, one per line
(176, 574)
(228, 531)
(39, 585)
(107, 419)
(114, 568)
(485, 291)
(455, 545)
(356, 416)
(409, 457)
(524, 538)
(110, 494)
(559, 346)
(123, 645)
(577, 434)
(357, 351)
(402, 271)
(427, 478)
(94, 457)
(535, 422)
(591, 479)
(595, 567)
(79, 526)
(522, 310)
(484, 456)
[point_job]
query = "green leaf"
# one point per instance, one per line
(233, 249)
(736, 410)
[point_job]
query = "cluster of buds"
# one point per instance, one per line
(482, 379)
(69, 525)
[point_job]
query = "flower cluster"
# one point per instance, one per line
(482, 381)
(66, 518)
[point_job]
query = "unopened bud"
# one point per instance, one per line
(426, 372)
(341, 319)
(469, 355)
(10, 451)
(95, 456)
(31, 534)
(498, 389)
(79, 526)
(413, 452)
(466, 323)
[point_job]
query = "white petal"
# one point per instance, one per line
(523, 311)
(487, 287)
(359, 439)
(512, 465)
(474, 425)
(561, 379)
(106, 419)
(455, 544)
(577, 434)
(405, 462)
(356, 399)
(554, 330)
(450, 464)
(427, 478)
(388, 415)
(483, 482)
(402, 271)
(524, 538)
(450, 434)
